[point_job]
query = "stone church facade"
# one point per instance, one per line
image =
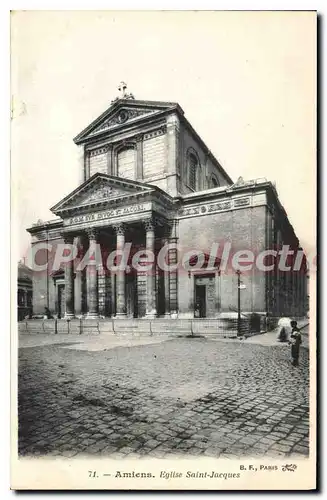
(147, 178)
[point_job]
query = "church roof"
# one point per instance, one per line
(24, 272)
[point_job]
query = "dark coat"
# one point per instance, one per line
(296, 341)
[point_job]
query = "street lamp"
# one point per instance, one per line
(240, 286)
(238, 272)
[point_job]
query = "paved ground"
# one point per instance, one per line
(270, 339)
(161, 397)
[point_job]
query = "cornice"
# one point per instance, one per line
(132, 128)
(219, 192)
(98, 177)
(116, 202)
(135, 133)
(45, 226)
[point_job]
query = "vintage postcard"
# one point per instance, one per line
(163, 250)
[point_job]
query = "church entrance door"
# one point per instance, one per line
(205, 297)
(200, 301)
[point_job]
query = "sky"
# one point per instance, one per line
(245, 80)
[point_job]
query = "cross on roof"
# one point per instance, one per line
(122, 89)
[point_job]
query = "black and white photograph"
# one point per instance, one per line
(164, 243)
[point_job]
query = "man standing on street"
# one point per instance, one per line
(295, 341)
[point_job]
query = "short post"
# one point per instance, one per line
(238, 302)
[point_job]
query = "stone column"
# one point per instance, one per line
(166, 274)
(139, 157)
(69, 283)
(173, 153)
(120, 275)
(79, 277)
(110, 160)
(173, 274)
(81, 165)
(92, 280)
(151, 309)
(218, 292)
(86, 165)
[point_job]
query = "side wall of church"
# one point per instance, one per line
(188, 143)
(288, 295)
(243, 229)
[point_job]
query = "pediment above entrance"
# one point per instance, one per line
(100, 190)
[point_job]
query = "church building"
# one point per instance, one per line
(148, 179)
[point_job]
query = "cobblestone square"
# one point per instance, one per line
(162, 398)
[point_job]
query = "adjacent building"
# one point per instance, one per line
(24, 291)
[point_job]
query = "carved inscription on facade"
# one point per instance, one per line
(241, 202)
(204, 209)
(216, 207)
(107, 214)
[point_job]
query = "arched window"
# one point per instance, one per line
(214, 181)
(126, 163)
(193, 171)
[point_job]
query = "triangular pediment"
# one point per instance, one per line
(123, 115)
(123, 112)
(99, 190)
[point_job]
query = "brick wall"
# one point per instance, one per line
(160, 183)
(126, 163)
(98, 161)
(154, 156)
